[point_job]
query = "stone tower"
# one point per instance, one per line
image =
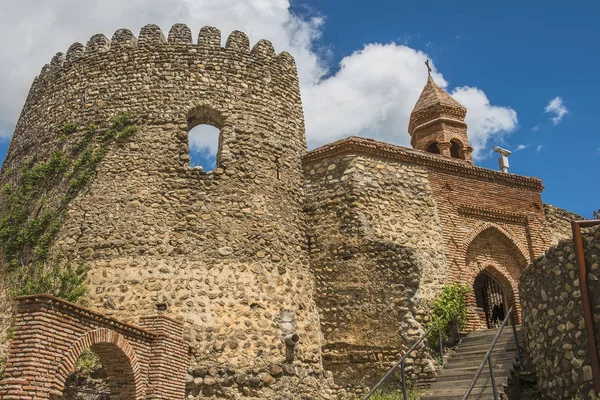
(437, 124)
(221, 250)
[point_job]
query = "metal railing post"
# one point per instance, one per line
(398, 364)
(404, 393)
(441, 345)
(514, 329)
(493, 377)
(488, 358)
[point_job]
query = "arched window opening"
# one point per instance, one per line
(88, 380)
(204, 137)
(203, 142)
(489, 296)
(433, 148)
(455, 149)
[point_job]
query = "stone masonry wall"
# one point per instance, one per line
(377, 257)
(223, 250)
(490, 222)
(559, 223)
(553, 317)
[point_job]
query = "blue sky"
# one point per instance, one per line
(505, 61)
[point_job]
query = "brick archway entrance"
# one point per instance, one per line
(146, 362)
(117, 357)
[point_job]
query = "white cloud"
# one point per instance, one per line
(486, 122)
(522, 147)
(539, 148)
(536, 128)
(370, 94)
(556, 107)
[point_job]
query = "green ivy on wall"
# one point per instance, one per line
(449, 309)
(35, 203)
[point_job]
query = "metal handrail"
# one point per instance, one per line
(586, 300)
(488, 356)
(400, 363)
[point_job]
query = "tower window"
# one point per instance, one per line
(455, 149)
(433, 148)
(203, 142)
(204, 137)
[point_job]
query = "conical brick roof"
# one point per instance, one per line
(433, 95)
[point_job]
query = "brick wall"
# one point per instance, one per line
(50, 334)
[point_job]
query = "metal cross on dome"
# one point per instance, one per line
(428, 68)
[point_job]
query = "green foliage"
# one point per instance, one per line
(448, 309)
(121, 128)
(63, 281)
(69, 128)
(31, 215)
(412, 393)
(2, 367)
(87, 362)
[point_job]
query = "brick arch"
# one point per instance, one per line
(509, 286)
(117, 356)
(504, 262)
(50, 334)
(482, 227)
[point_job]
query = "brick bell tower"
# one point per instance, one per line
(437, 123)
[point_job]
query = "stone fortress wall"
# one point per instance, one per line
(224, 250)
(389, 226)
(376, 253)
(559, 223)
(346, 245)
(556, 341)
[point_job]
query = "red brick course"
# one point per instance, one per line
(148, 362)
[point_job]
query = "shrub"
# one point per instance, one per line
(448, 309)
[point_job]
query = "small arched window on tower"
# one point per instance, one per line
(204, 138)
(433, 148)
(456, 150)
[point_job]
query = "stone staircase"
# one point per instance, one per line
(453, 381)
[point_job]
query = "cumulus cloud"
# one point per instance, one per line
(486, 121)
(370, 93)
(557, 109)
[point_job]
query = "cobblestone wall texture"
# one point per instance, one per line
(223, 250)
(345, 245)
(376, 252)
(553, 317)
(559, 223)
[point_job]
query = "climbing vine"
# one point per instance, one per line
(449, 309)
(34, 206)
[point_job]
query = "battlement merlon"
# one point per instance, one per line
(152, 38)
(149, 75)
(161, 81)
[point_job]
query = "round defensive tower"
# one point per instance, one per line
(223, 250)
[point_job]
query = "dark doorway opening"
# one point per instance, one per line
(490, 297)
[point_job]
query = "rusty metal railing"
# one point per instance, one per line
(487, 359)
(586, 300)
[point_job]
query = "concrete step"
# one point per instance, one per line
(456, 376)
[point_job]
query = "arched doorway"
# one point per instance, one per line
(118, 361)
(490, 297)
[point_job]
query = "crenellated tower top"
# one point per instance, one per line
(437, 124)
